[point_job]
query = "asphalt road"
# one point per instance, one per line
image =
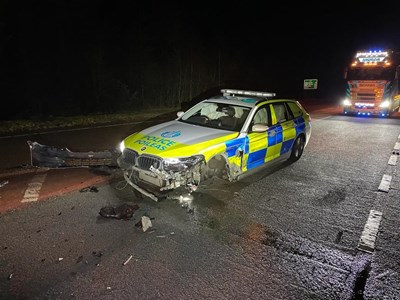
(291, 231)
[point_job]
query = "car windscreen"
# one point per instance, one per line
(217, 115)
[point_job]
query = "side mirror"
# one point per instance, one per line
(259, 128)
(180, 113)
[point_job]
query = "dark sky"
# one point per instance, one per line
(269, 45)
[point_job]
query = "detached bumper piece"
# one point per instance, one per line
(53, 157)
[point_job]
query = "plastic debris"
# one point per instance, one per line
(98, 254)
(129, 258)
(92, 189)
(10, 276)
(3, 183)
(146, 223)
(124, 211)
(60, 259)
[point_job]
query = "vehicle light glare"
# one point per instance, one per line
(122, 146)
(385, 103)
(347, 102)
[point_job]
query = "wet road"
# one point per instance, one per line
(288, 232)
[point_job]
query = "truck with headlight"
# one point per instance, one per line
(372, 84)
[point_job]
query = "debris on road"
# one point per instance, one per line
(60, 259)
(53, 157)
(163, 236)
(144, 223)
(3, 183)
(98, 254)
(124, 211)
(10, 276)
(129, 258)
(92, 189)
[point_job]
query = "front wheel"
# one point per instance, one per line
(298, 148)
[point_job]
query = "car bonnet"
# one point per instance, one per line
(177, 139)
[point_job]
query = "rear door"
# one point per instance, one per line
(285, 128)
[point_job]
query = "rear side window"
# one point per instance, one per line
(296, 110)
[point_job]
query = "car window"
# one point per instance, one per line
(280, 112)
(262, 116)
(289, 112)
(295, 109)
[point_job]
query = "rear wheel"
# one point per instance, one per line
(298, 148)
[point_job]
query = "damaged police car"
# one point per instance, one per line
(225, 136)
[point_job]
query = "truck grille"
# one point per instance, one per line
(143, 162)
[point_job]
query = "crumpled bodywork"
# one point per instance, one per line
(152, 177)
(53, 157)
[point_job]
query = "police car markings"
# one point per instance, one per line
(155, 142)
(368, 236)
(34, 186)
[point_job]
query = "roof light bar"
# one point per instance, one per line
(227, 92)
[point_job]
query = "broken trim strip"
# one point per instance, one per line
(139, 188)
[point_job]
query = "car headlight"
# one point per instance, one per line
(181, 164)
(347, 102)
(384, 104)
(122, 146)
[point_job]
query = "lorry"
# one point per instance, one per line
(372, 84)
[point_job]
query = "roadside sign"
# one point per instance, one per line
(310, 84)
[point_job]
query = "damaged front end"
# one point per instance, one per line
(154, 177)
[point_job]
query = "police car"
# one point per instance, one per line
(226, 136)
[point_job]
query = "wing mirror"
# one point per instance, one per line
(259, 128)
(180, 113)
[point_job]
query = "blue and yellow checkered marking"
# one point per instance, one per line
(259, 148)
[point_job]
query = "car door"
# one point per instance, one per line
(258, 144)
(282, 119)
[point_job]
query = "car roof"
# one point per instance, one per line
(244, 98)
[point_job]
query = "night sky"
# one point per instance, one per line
(66, 57)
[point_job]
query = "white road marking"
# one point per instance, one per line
(34, 187)
(392, 160)
(368, 236)
(385, 183)
(397, 146)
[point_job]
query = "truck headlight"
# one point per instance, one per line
(122, 146)
(384, 104)
(181, 164)
(347, 102)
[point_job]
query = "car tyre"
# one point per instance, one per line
(298, 148)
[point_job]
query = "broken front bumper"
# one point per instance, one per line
(53, 157)
(155, 182)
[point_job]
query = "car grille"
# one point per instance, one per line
(130, 156)
(143, 162)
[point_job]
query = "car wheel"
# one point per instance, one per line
(298, 148)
